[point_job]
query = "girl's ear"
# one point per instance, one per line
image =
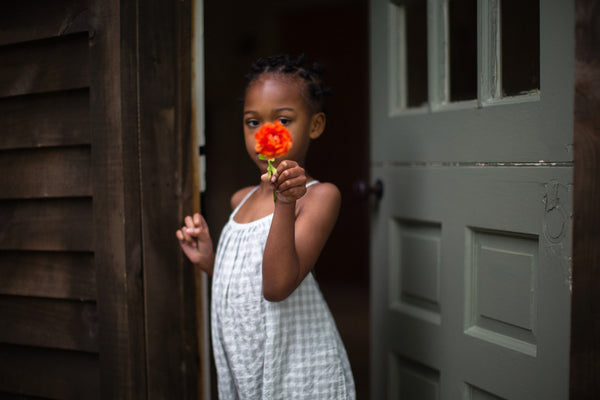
(317, 125)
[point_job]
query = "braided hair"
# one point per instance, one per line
(284, 65)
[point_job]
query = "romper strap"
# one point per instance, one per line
(250, 193)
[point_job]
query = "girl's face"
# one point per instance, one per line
(275, 97)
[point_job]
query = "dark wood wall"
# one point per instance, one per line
(95, 298)
(49, 343)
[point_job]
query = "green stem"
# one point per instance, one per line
(270, 171)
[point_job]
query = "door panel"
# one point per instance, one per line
(468, 297)
(471, 242)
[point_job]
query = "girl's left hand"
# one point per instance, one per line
(289, 182)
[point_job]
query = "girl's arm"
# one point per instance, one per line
(194, 239)
(296, 237)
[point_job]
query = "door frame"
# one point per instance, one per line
(197, 121)
(585, 330)
(585, 303)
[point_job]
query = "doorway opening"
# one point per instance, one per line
(334, 33)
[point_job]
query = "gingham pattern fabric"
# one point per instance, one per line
(271, 350)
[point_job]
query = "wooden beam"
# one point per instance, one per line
(115, 176)
(166, 175)
(585, 307)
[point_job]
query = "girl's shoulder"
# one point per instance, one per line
(238, 196)
(323, 195)
(325, 189)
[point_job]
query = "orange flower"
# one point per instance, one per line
(273, 140)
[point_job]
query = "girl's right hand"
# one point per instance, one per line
(194, 239)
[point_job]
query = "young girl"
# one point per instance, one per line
(273, 335)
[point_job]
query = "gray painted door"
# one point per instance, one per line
(470, 250)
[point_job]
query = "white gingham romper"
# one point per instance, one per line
(271, 350)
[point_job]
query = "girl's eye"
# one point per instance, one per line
(252, 123)
(284, 121)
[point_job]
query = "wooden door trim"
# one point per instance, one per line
(140, 127)
(585, 306)
(116, 211)
(163, 77)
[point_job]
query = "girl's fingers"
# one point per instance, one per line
(203, 224)
(290, 183)
(290, 179)
(186, 235)
(193, 227)
(192, 232)
(286, 164)
(184, 240)
(189, 222)
(291, 170)
(292, 194)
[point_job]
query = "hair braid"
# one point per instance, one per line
(283, 64)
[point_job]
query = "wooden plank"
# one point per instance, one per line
(585, 305)
(52, 224)
(36, 19)
(189, 196)
(51, 373)
(44, 66)
(47, 172)
(117, 226)
(54, 119)
(58, 275)
(61, 324)
(191, 287)
(164, 129)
